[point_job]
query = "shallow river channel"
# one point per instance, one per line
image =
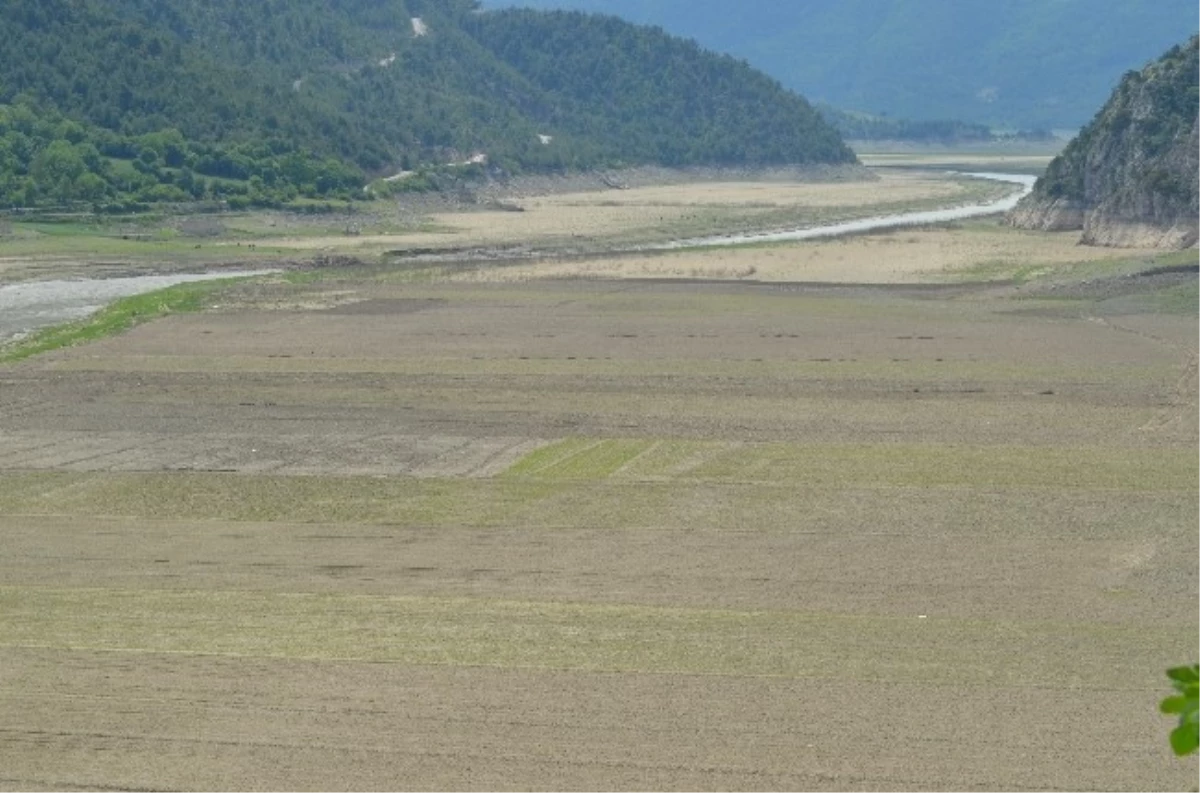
(26, 307)
(878, 222)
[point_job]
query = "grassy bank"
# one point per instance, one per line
(117, 318)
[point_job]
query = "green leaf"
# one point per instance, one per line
(1185, 738)
(1177, 704)
(1185, 674)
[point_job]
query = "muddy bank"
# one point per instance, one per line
(1101, 227)
(879, 222)
(581, 251)
(28, 307)
(501, 188)
(654, 176)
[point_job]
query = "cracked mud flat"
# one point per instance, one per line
(592, 535)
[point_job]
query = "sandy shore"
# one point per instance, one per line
(898, 257)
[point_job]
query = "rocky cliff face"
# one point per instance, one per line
(1130, 179)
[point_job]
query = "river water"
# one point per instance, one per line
(26, 307)
(874, 223)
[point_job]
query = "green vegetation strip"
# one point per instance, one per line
(586, 636)
(899, 465)
(612, 504)
(117, 318)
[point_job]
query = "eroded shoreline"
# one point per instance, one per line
(30, 306)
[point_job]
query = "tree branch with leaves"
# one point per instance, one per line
(1186, 679)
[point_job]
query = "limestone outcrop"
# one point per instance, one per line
(1130, 178)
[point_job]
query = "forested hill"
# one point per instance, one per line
(1130, 178)
(1010, 63)
(374, 86)
(638, 93)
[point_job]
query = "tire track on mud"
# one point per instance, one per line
(21, 408)
(764, 778)
(1183, 394)
(58, 784)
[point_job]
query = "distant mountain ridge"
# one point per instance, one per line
(1028, 64)
(857, 126)
(1131, 176)
(866, 127)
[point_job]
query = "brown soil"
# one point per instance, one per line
(139, 721)
(808, 537)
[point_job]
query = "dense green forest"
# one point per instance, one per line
(648, 96)
(305, 71)
(47, 159)
(1018, 64)
(120, 102)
